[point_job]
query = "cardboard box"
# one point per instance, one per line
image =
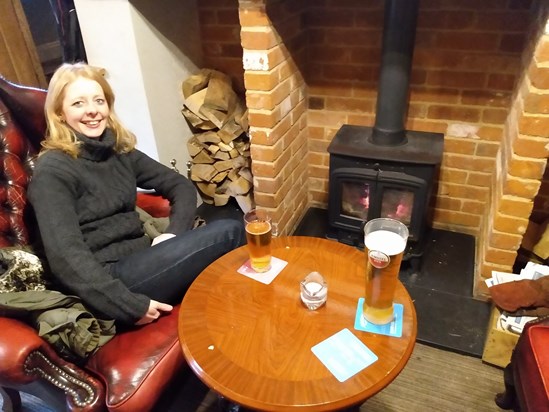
(499, 343)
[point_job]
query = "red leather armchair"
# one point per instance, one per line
(527, 375)
(130, 371)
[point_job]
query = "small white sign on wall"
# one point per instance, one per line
(258, 61)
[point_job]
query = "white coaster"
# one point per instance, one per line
(266, 277)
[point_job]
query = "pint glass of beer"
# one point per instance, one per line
(385, 240)
(258, 234)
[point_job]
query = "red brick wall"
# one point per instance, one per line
(220, 36)
(521, 161)
(312, 66)
(536, 102)
(466, 62)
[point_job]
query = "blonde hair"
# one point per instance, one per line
(59, 135)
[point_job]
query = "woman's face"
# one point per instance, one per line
(85, 108)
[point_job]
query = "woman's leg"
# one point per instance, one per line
(165, 271)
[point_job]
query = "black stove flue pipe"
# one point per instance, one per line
(396, 61)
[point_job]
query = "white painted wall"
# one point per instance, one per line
(148, 49)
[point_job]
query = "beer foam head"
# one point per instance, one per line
(258, 227)
(385, 241)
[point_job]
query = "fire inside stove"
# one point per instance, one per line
(395, 203)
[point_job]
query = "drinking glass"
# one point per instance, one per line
(314, 290)
(385, 240)
(258, 234)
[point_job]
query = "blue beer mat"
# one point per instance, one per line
(391, 329)
(344, 354)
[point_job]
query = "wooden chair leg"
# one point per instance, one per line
(11, 399)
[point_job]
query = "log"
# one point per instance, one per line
(220, 177)
(213, 149)
(230, 131)
(242, 119)
(195, 103)
(230, 164)
(194, 147)
(217, 117)
(203, 172)
(246, 173)
(240, 186)
(207, 188)
(196, 82)
(197, 122)
(233, 175)
(219, 92)
(225, 147)
(208, 137)
(203, 158)
(221, 199)
(243, 147)
(222, 156)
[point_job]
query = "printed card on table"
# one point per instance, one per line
(344, 354)
(266, 277)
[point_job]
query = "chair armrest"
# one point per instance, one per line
(154, 204)
(25, 357)
(17, 341)
(137, 364)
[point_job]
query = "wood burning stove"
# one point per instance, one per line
(385, 171)
(369, 181)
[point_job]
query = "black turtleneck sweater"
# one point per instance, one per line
(85, 208)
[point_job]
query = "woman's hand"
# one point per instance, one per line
(155, 310)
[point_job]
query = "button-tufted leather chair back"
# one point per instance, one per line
(18, 146)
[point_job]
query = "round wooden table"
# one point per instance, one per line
(251, 342)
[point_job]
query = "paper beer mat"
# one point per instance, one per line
(266, 277)
(391, 329)
(344, 354)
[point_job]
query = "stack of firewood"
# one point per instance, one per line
(219, 147)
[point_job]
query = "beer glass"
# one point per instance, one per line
(385, 240)
(258, 234)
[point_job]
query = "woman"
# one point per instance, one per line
(83, 192)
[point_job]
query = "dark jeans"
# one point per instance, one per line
(165, 271)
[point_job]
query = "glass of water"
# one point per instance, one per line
(314, 290)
